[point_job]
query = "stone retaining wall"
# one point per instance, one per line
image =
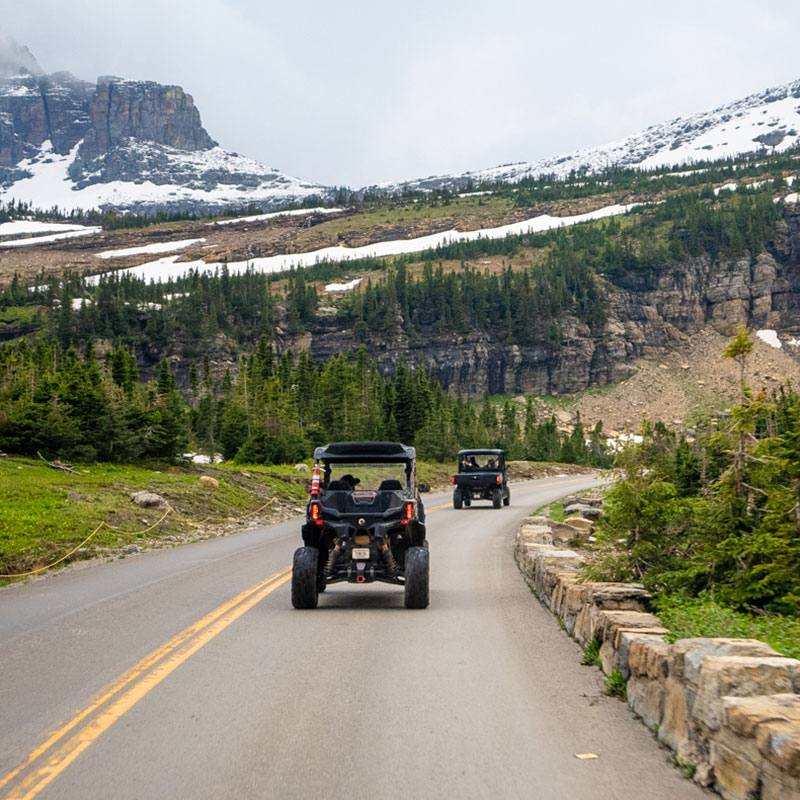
(728, 708)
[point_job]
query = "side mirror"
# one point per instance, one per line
(424, 487)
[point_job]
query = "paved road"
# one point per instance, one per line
(186, 674)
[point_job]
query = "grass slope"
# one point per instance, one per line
(46, 513)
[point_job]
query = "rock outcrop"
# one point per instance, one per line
(648, 314)
(123, 130)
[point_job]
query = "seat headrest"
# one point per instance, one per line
(390, 485)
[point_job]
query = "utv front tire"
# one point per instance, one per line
(457, 501)
(417, 577)
(497, 497)
(304, 577)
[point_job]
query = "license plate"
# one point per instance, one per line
(361, 554)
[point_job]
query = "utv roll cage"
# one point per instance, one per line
(365, 453)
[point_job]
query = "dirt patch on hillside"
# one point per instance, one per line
(297, 234)
(678, 389)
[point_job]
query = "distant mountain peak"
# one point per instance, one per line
(766, 121)
(16, 59)
(119, 143)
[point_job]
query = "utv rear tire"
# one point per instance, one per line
(497, 497)
(507, 498)
(304, 577)
(457, 499)
(417, 577)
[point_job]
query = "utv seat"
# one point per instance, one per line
(338, 486)
(390, 485)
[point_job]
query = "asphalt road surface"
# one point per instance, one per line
(185, 673)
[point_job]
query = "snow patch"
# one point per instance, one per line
(50, 184)
(343, 287)
(298, 212)
(769, 337)
(19, 226)
(55, 237)
(168, 268)
(159, 247)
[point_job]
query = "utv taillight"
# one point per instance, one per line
(315, 511)
(453, 479)
(497, 479)
(409, 510)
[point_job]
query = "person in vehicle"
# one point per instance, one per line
(351, 481)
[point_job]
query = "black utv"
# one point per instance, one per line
(481, 476)
(365, 522)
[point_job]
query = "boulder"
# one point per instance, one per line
(576, 509)
(740, 676)
(149, 500)
(773, 722)
(646, 698)
(648, 656)
(301, 468)
(537, 520)
(620, 597)
(578, 499)
(580, 523)
(563, 532)
(625, 640)
(212, 483)
(536, 534)
(685, 663)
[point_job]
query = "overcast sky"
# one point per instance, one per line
(356, 92)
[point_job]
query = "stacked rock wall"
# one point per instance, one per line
(728, 708)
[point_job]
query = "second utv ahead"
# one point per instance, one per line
(481, 476)
(365, 522)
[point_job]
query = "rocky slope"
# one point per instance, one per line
(648, 316)
(768, 121)
(119, 143)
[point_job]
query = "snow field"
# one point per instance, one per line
(165, 269)
(158, 247)
(55, 237)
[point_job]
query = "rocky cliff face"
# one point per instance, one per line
(141, 133)
(648, 314)
(35, 109)
(125, 114)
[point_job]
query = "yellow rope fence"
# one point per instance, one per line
(170, 510)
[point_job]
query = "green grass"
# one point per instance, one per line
(616, 685)
(19, 315)
(388, 216)
(554, 511)
(704, 618)
(591, 654)
(45, 513)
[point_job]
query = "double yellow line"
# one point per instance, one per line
(64, 745)
(123, 693)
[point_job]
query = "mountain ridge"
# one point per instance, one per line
(677, 142)
(121, 144)
(140, 146)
